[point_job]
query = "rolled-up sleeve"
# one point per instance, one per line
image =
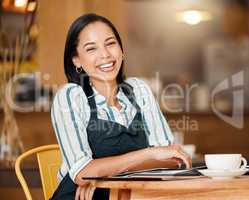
(69, 121)
(155, 124)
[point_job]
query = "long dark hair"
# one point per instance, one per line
(71, 44)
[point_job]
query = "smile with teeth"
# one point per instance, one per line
(107, 67)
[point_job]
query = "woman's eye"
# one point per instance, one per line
(90, 49)
(111, 43)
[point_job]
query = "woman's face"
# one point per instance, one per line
(99, 52)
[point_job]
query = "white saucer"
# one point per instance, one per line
(223, 174)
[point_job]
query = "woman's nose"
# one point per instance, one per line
(104, 52)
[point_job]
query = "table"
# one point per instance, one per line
(191, 189)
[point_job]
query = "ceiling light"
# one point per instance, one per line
(20, 3)
(193, 17)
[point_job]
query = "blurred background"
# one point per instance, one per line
(194, 54)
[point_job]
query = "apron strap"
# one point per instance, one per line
(90, 97)
(128, 91)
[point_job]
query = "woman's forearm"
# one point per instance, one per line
(135, 160)
(108, 166)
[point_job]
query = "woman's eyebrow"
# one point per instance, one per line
(92, 43)
(109, 38)
(88, 43)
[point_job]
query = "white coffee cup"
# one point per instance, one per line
(225, 161)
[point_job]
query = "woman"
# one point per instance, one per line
(105, 124)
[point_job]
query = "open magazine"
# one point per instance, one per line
(156, 174)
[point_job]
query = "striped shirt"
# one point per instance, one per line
(70, 115)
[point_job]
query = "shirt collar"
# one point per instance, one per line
(101, 100)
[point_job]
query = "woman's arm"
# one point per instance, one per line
(166, 156)
(69, 114)
(156, 126)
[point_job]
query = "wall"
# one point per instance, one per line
(54, 19)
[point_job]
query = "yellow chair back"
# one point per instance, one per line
(49, 160)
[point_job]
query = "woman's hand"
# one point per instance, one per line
(176, 152)
(84, 193)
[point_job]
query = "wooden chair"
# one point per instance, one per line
(49, 160)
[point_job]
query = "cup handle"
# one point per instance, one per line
(243, 166)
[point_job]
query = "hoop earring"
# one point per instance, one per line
(78, 69)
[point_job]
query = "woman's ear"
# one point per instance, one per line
(76, 61)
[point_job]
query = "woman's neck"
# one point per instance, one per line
(108, 89)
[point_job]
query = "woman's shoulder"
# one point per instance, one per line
(70, 90)
(138, 84)
(135, 81)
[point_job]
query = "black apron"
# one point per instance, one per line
(107, 138)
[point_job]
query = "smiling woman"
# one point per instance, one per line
(105, 124)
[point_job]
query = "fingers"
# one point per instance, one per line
(92, 192)
(173, 151)
(82, 193)
(188, 159)
(89, 192)
(77, 194)
(179, 153)
(185, 158)
(177, 161)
